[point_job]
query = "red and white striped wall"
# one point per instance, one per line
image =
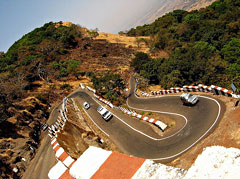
(200, 88)
(204, 88)
(104, 101)
(144, 94)
(59, 171)
(191, 88)
(61, 155)
(172, 90)
(221, 91)
(65, 162)
(158, 123)
(98, 163)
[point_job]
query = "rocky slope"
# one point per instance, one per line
(162, 7)
(20, 135)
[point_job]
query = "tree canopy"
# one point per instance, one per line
(204, 46)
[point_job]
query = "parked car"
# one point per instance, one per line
(86, 105)
(106, 115)
(189, 99)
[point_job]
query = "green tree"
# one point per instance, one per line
(231, 51)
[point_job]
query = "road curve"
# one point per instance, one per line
(136, 138)
(201, 118)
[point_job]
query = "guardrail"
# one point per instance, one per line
(60, 121)
(104, 101)
(200, 88)
(158, 123)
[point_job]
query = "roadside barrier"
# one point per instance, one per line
(61, 155)
(144, 94)
(200, 88)
(98, 163)
(172, 90)
(60, 122)
(59, 171)
(176, 90)
(64, 104)
(204, 88)
(82, 86)
(104, 101)
(221, 91)
(90, 89)
(65, 162)
(158, 123)
(191, 88)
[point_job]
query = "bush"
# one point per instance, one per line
(66, 86)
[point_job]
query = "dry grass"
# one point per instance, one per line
(137, 43)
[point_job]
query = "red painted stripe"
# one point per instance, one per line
(229, 92)
(71, 164)
(66, 175)
(118, 166)
(154, 121)
(63, 156)
(54, 143)
(56, 148)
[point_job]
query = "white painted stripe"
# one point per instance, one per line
(151, 120)
(55, 146)
(59, 152)
(89, 162)
(68, 161)
(57, 171)
(145, 118)
(54, 140)
(139, 116)
(161, 125)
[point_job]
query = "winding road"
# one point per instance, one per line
(139, 139)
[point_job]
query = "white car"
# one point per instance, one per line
(189, 99)
(104, 113)
(86, 105)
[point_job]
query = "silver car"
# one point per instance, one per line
(189, 99)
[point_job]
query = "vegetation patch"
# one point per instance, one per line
(204, 46)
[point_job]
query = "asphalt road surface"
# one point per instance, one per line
(140, 140)
(136, 138)
(45, 158)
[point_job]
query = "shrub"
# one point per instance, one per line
(66, 86)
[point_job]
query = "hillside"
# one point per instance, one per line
(177, 49)
(40, 69)
(160, 8)
(203, 46)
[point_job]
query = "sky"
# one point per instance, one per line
(18, 17)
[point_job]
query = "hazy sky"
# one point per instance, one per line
(18, 17)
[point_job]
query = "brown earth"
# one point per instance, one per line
(79, 132)
(20, 135)
(140, 44)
